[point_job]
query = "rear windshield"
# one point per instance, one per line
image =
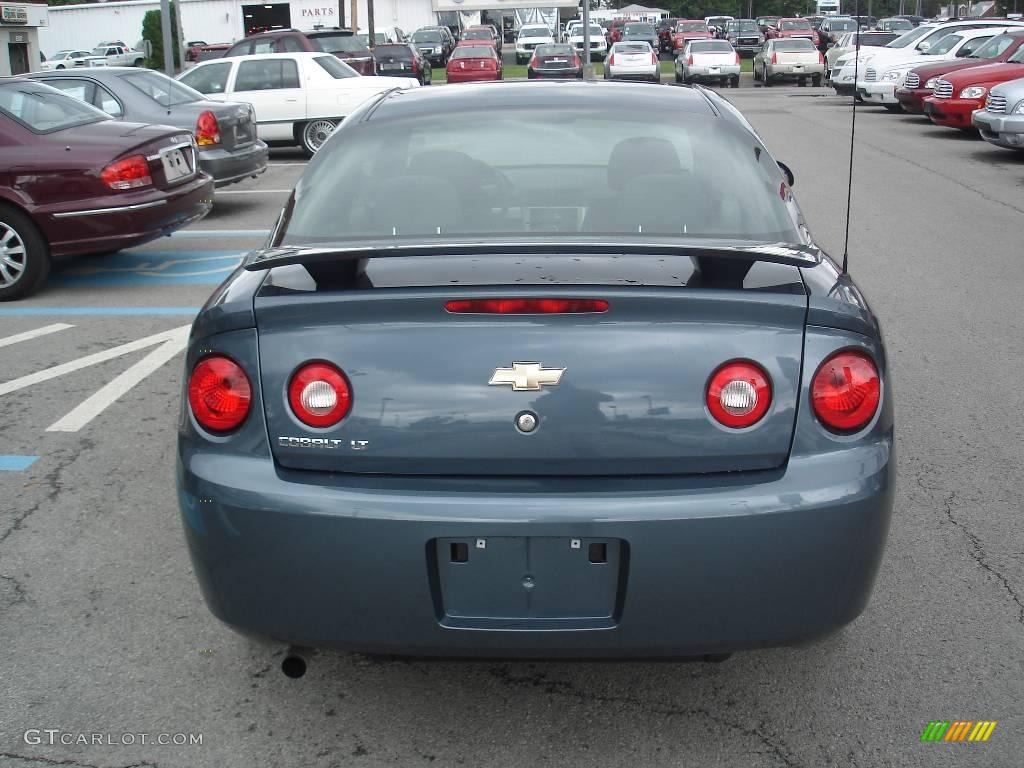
(161, 89)
(795, 24)
(395, 51)
(474, 52)
(43, 109)
(799, 44)
(559, 172)
(426, 36)
(340, 43)
(339, 70)
(710, 46)
(477, 34)
(692, 26)
(632, 48)
(554, 50)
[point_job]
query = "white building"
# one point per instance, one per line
(20, 24)
(225, 21)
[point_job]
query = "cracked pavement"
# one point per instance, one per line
(103, 629)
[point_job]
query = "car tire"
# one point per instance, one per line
(24, 255)
(679, 78)
(764, 77)
(894, 108)
(60, 66)
(315, 133)
(734, 81)
(816, 81)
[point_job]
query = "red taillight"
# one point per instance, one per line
(219, 393)
(577, 61)
(611, 60)
(207, 129)
(845, 391)
(526, 306)
(738, 58)
(739, 394)
(775, 58)
(319, 394)
(415, 66)
(533, 61)
(821, 58)
(129, 173)
(689, 60)
(654, 59)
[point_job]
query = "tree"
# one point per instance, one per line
(152, 31)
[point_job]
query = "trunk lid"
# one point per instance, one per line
(714, 59)
(630, 400)
(797, 57)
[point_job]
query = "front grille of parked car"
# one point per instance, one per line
(943, 89)
(871, 75)
(995, 103)
(913, 80)
(748, 41)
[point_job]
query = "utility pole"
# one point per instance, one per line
(586, 38)
(165, 32)
(355, 17)
(369, 24)
(341, 13)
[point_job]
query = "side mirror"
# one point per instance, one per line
(923, 46)
(787, 173)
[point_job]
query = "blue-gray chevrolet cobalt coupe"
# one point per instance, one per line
(538, 369)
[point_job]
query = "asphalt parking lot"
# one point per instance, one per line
(104, 632)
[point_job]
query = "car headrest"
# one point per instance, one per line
(661, 204)
(639, 156)
(415, 205)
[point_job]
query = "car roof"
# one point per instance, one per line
(249, 56)
(512, 95)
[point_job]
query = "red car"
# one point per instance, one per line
(473, 61)
(920, 83)
(351, 48)
(73, 182)
(689, 29)
(615, 30)
(794, 27)
(958, 94)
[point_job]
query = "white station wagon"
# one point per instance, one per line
(298, 98)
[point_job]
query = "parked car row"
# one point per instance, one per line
(967, 75)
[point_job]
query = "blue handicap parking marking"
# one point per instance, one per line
(15, 463)
(151, 268)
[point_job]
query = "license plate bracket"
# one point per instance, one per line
(176, 164)
(517, 582)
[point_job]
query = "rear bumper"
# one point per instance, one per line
(787, 71)
(122, 221)
(472, 77)
(633, 73)
(954, 113)
(877, 93)
(714, 564)
(229, 166)
(702, 73)
(554, 74)
(1002, 130)
(913, 99)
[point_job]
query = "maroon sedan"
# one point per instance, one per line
(73, 181)
(920, 83)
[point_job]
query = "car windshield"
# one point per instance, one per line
(948, 43)
(710, 46)
(909, 37)
(1018, 56)
(535, 32)
(842, 25)
(619, 173)
(338, 69)
(426, 36)
(473, 52)
(43, 109)
(995, 47)
(162, 89)
(746, 26)
(554, 50)
(897, 24)
(798, 44)
(341, 43)
(477, 34)
(795, 24)
(692, 26)
(646, 30)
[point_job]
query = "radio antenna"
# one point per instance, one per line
(853, 132)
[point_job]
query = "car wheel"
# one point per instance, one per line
(894, 108)
(24, 255)
(802, 82)
(60, 66)
(679, 78)
(816, 81)
(764, 77)
(735, 81)
(315, 133)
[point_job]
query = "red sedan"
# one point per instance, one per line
(920, 83)
(474, 62)
(958, 94)
(73, 181)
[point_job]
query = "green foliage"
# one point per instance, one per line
(151, 31)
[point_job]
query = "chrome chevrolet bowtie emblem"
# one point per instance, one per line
(523, 376)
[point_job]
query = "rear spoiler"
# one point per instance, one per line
(777, 253)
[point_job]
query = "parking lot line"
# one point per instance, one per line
(98, 402)
(196, 233)
(12, 463)
(254, 192)
(46, 330)
(53, 372)
(34, 311)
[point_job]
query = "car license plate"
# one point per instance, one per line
(797, 67)
(714, 70)
(557, 61)
(175, 164)
(392, 65)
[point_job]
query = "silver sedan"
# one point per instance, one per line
(708, 61)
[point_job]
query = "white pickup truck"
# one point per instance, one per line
(115, 56)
